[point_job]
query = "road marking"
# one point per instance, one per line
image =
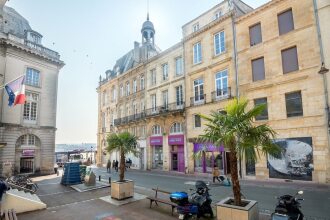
(73, 203)
(44, 184)
(50, 194)
(190, 183)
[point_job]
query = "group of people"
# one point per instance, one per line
(115, 165)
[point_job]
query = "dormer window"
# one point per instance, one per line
(217, 15)
(34, 37)
(195, 27)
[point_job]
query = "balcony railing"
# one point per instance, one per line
(42, 49)
(221, 94)
(198, 100)
(169, 108)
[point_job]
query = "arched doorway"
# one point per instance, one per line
(27, 157)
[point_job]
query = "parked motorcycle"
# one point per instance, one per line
(197, 204)
(288, 208)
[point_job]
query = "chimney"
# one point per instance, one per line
(136, 52)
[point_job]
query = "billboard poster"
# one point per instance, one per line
(296, 160)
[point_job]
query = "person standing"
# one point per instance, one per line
(3, 188)
(216, 173)
(116, 165)
(109, 166)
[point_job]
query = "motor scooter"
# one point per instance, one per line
(197, 204)
(288, 208)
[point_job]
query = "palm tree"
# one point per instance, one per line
(234, 129)
(125, 143)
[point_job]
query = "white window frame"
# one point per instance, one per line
(32, 77)
(153, 77)
(217, 14)
(156, 130)
(165, 71)
(153, 103)
(176, 128)
(195, 27)
(194, 118)
(121, 90)
(197, 53)
(219, 43)
(134, 86)
(178, 66)
(179, 96)
(142, 83)
(30, 115)
(127, 89)
(221, 88)
(200, 90)
(165, 99)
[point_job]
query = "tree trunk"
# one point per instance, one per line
(122, 166)
(234, 177)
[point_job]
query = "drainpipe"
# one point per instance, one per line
(186, 158)
(323, 69)
(233, 25)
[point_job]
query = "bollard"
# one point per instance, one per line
(100, 178)
(109, 180)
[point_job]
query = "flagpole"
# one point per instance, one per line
(3, 86)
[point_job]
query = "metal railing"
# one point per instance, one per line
(42, 49)
(221, 94)
(198, 100)
(164, 109)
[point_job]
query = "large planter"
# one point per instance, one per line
(122, 190)
(225, 211)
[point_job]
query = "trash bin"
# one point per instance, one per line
(82, 172)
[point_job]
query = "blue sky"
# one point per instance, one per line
(91, 36)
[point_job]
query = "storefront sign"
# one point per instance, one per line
(28, 153)
(209, 147)
(158, 140)
(176, 139)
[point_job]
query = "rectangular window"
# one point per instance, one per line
(127, 89)
(195, 27)
(293, 103)
(197, 53)
(165, 99)
(197, 121)
(153, 103)
(142, 107)
(31, 107)
(178, 66)
(179, 95)
(121, 92)
(153, 77)
(264, 114)
(165, 71)
(199, 90)
(142, 82)
(219, 43)
(221, 83)
(217, 15)
(103, 120)
(255, 34)
(289, 60)
(114, 94)
(285, 22)
(32, 77)
(134, 86)
(104, 97)
(258, 69)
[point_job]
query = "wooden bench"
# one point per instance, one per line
(8, 215)
(156, 199)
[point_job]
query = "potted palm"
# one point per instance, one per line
(234, 128)
(124, 143)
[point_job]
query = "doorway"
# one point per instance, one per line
(175, 161)
(27, 165)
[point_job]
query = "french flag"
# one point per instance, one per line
(16, 91)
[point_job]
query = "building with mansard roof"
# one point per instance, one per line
(27, 132)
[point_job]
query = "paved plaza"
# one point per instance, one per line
(64, 202)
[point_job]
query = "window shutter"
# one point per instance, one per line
(255, 34)
(285, 22)
(290, 60)
(258, 69)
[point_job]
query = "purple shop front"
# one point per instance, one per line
(214, 155)
(177, 153)
(156, 141)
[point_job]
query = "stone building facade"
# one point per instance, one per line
(27, 132)
(273, 55)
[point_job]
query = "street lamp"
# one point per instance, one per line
(91, 154)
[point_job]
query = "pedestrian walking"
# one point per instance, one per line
(113, 164)
(109, 166)
(216, 174)
(3, 188)
(116, 165)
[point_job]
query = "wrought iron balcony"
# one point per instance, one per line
(198, 100)
(165, 109)
(221, 94)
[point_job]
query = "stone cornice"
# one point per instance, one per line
(24, 48)
(20, 126)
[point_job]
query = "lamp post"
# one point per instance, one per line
(91, 154)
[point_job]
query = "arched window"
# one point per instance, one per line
(176, 128)
(156, 130)
(29, 139)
